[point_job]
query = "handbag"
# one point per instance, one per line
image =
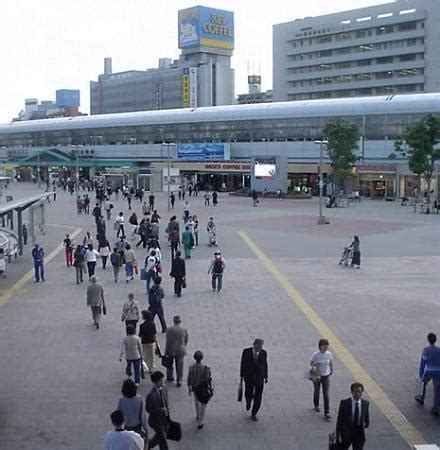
(104, 309)
(136, 270)
(313, 374)
(184, 283)
(167, 361)
(157, 350)
(240, 393)
(334, 443)
(174, 432)
(143, 274)
(144, 369)
(204, 390)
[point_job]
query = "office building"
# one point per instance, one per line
(387, 49)
(202, 76)
(254, 94)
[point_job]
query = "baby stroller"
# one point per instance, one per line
(346, 257)
(212, 237)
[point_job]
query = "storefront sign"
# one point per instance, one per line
(203, 152)
(228, 167)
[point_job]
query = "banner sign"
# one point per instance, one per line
(203, 152)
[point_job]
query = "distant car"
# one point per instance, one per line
(9, 243)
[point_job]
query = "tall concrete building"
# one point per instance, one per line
(392, 48)
(202, 76)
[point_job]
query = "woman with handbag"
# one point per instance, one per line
(132, 406)
(199, 383)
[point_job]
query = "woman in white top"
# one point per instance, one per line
(323, 361)
(91, 255)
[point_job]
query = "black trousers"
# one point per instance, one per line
(174, 247)
(159, 439)
(91, 268)
(357, 441)
(253, 392)
(178, 286)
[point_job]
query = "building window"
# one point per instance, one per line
(324, 39)
(409, 57)
(385, 29)
(325, 53)
(364, 62)
(343, 51)
(383, 75)
(409, 26)
(385, 60)
(410, 42)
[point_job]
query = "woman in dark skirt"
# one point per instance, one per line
(355, 246)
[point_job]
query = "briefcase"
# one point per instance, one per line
(240, 393)
(167, 361)
(333, 443)
(174, 432)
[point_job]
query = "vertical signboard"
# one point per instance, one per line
(185, 89)
(193, 87)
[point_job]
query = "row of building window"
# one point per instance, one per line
(358, 77)
(381, 90)
(358, 49)
(359, 63)
(357, 34)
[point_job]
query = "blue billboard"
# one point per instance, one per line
(67, 98)
(203, 152)
(200, 26)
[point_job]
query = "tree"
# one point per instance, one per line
(342, 137)
(422, 139)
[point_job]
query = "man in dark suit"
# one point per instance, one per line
(156, 405)
(178, 272)
(353, 418)
(253, 371)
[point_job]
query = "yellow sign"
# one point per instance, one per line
(186, 91)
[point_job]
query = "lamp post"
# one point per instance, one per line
(168, 145)
(38, 168)
(321, 219)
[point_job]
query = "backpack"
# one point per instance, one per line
(218, 266)
(115, 259)
(154, 296)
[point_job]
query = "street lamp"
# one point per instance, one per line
(168, 145)
(321, 219)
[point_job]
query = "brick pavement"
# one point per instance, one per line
(61, 378)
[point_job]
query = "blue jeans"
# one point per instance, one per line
(178, 361)
(39, 270)
(136, 367)
(217, 281)
(128, 270)
(150, 276)
(158, 310)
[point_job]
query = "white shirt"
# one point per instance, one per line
(91, 255)
(120, 220)
(322, 362)
(353, 406)
(123, 440)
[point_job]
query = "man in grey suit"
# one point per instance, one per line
(156, 405)
(353, 418)
(95, 299)
(175, 349)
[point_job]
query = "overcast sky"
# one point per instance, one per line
(54, 44)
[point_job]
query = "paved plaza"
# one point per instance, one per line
(60, 378)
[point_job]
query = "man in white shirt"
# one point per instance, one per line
(121, 439)
(323, 361)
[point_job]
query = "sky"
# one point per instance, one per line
(61, 44)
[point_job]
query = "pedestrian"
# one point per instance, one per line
(174, 240)
(96, 212)
(108, 206)
(147, 333)
(116, 261)
(120, 438)
(38, 258)
(199, 381)
(133, 221)
(130, 312)
(212, 233)
(207, 197)
(254, 374)
(155, 297)
(88, 240)
(172, 200)
(91, 255)
(353, 418)
(155, 217)
(129, 199)
(101, 229)
(196, 229)
(132, 349)
(68, 249)
(132, 406)
(119, 225)
(151, 201)
(180, 192)
(95, 299)
(187, 242)
(255, 197)
(86, 204)
(214, 198)
(178, 272)
(79, 262)
(175, 349)
(323, 361)
(186, 211)
(355, 246)
(130, 263)
(190, 189)
(216, 270)
(104, 252)
(150, 268)
(156, 405)
(430, 370)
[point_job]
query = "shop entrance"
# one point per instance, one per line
(223, 182)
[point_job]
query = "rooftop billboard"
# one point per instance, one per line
(200, 26)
